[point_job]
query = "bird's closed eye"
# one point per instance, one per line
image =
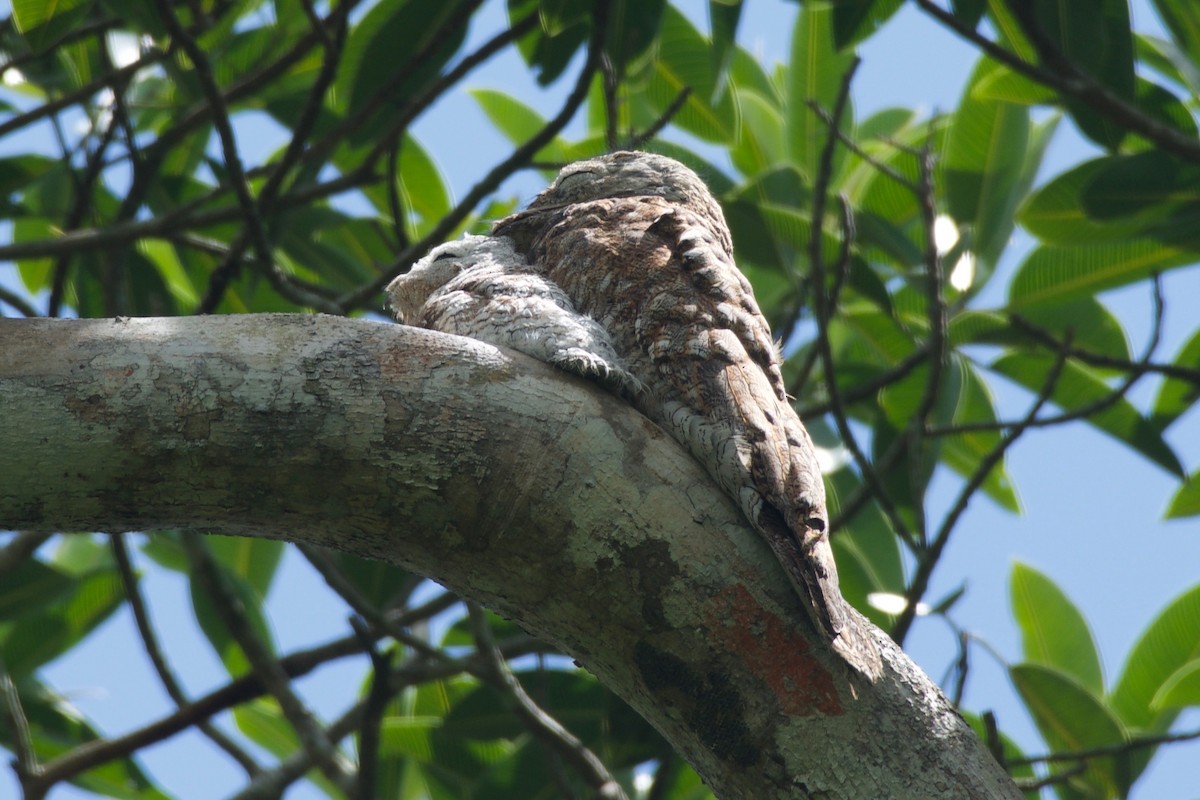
(575, 179)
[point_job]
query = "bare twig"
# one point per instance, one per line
(1102, 751)
(519, 158)
(1065, 78)
(636, 141)
(373, 710)
(26, 764)
(822, 313)
(1092, 358)
(544, 727)
(263, 662)
(162, 666)
(930, 555)
(1137, 370)
(20, 548)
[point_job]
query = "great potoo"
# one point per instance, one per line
(637, 246)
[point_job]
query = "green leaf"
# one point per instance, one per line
(724, 16)
(253, 560)
(35, 272)
(518, 122)
(633, 26)
(964, 452)
(171, 270)
(1072, 718)
(552, 44)
(814, 76)
(998, 82)
(855, 20)
(1182, 19)
(18, 172)
(1161, 104)
(1180, 690)
(1177, 395)
(761, 144)
(39, 637)
(422, 185)
(1096, 38)
(969, 12)
(213, 625)
(573, 698)
(30, 587)
(1089, 323)
(684, 60)
(1186, 501)
(1053, 631)
(866, 548)
(1054, 274)
(383, 585)
(82, 554)
(1127, 186)
(376, 68)
(1080, 386)
(1055, 212)
(1168, 644)
(56, 727)
(982, 168)
(264, 724)
(42, 22)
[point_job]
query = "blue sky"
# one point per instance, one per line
(1121, 565)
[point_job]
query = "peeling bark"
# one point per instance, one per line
(543, 497)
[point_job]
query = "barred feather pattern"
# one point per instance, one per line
(628, 258)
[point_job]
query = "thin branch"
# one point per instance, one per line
(1054, 779)
(19, 303)
(636, 141)
(385, 95)
(81, 95)
(264, 664)
(1065, 78)
(26, 764)
(373, 712)
(865, 391)
(1137, 370)
(1092, 358)
(544, 727)
(162, 666)
(857, 149)
(822, 313)
(1102, 751)
(223, 274)
(20, 548)
(79, 207)
(272, 783)
(256, 227)
(520, 157)
(610, 82)
(249, 687)
(935, 303)
(931, 555)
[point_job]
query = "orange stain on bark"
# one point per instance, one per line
(776, 653)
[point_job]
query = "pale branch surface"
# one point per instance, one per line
(401, 444)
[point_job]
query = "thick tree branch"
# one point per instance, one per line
(403, 444)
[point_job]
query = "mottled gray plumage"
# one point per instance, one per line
(480, 287)
(636, 245)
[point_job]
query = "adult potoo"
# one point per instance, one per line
(639, 244)
(622, 272)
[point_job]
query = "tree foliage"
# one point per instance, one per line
(133, 187)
